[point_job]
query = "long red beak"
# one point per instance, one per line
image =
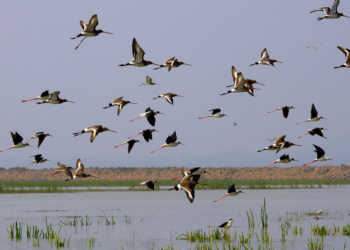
(220, 198)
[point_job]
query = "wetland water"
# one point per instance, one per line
(156, 218)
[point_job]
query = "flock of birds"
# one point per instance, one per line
(189, 178)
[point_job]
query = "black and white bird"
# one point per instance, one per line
(171, 141)
(283, 159)
(188, 186)
(149, 184)
(285, 110)
(314, 131)
(147, 134)
(330, 13)
(130, 144)
(347, 58)
(282, 144)
(230, 192)
(89, 30)
(44, 95)
(94, 130)
(215, 113)
(227, 224)
(172, 63)
(17, 142)
(37, 159)
(137, 54)
(168, 97)
(150, 115)
(41, 136)
(314, 114)
(320, 155)
(265, 59)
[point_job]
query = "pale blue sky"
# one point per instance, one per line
(37, 54)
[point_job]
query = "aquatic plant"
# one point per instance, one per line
(251, 221)
(346, 229)
(264, 216)
(128, 220)
(90, 241)
(15, 231)
(200, 236)
(319, 231)
(73, 222)
(315, 245)
(110, 222)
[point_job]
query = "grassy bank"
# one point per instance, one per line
(106, 185)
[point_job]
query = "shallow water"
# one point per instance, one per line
(158, 217)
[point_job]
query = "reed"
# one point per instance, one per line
(315, 245)
(346, 229)
(15, 231)
(250, 216)
(320, 231)
(200, 236)
(264, 216)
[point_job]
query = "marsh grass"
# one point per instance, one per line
(200, 236)
(251, 220)
(15, 231)
(264, 216)
(315, 245)
(318, 230)
(346, 229)
(53, 186)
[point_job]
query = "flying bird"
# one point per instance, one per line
(79, 171)
(282, 144)
(149, 81)
(138, 54)
(94, 130)
(314, 131)
(285, 110)
(89, 30)
(147, 134)
(283, 159)
(320, 155)
(330, 13)
(17, 142)
(120, 103)
(44, 95)
(41, 136)
(63, 169)
(195, 172)
(149, 184)
(188, 186)
(130, 144)
(314, 47)
(150, 115)
(170, 142)
(215, 114)
(172, 63)
(230, 192)
(265, 59)
(168, 97)
(347, 57)
(241, 84)
(272, 147)
(54, 99)
(37, 159)
(314, 117)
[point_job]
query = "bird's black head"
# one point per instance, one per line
(110, 105)
(83, 131)
(176, 188)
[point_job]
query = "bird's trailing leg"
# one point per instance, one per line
(303, 135)
(5, 150)
(309, 163)
(135, 119)
(29, 100)
(29, 139)
(203, 117)
(133, 136)
(157, 150)
(119, 145)
(268, 166)
(55, 173)
(220, 198)
(137, 185)
(30, 164)
(177, 178)
(272, 111)
(80, 43)
(300, 123)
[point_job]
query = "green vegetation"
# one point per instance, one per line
(315, 245)
(200, 236)
(15, 231)
(264, 216)
(45, 186)
(251, 221)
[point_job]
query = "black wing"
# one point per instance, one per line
(41, 138)
(285, 111)
(151, 119)
(69, 173)
(147, 134)
(150, 184)
(232, 189)
(171, 138)
(319, 151)
(215, 111)
(314, 112)
(16, 138)
(223, 224)
(196, 177)
(38, 157)
(148, 109)
(44, 93)
(190, 194)
(284, 157)
(131, 144)
(318, 131)
(192, 170)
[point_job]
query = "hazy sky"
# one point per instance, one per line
(37, 55)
